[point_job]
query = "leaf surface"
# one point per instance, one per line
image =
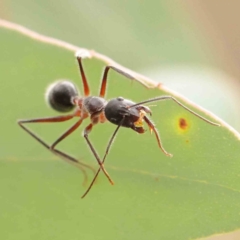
(195, 193)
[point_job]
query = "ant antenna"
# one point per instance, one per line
(180, 104)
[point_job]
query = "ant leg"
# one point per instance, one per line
(106, 152)
(65, 157)
(67, 133)
(179, 103)
(153, 128)
(104, 79)
(87, 130)
(84, 79)
(47, 119)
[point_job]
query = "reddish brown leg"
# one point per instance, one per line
(101, 163)
(153, 128)
(67, 133)
(57, 119)
(87, 130)
(48, 119)
(104, 79)
(65, 156)
(84, 79)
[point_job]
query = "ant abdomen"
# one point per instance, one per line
(60, 94)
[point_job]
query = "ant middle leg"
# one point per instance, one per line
(153, 128)
(87, 130)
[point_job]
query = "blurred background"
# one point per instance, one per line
(191, 46)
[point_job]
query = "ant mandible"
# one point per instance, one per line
(63, 97)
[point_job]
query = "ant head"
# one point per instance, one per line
(119, 111)
(60, 95)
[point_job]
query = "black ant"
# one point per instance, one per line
(63, 97)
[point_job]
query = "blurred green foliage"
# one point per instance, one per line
(136, 33)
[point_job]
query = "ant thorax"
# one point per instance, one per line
(93, 104)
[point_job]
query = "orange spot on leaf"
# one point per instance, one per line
(183, 124)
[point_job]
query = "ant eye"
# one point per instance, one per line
(120, 99)
(59, 95)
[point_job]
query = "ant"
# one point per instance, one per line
(63, 96)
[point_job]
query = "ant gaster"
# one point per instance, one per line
(63, 97)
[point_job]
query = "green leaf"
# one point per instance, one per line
(195, 193)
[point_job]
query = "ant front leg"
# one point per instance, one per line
(105, 75)
(87, 130)
(153, 128)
